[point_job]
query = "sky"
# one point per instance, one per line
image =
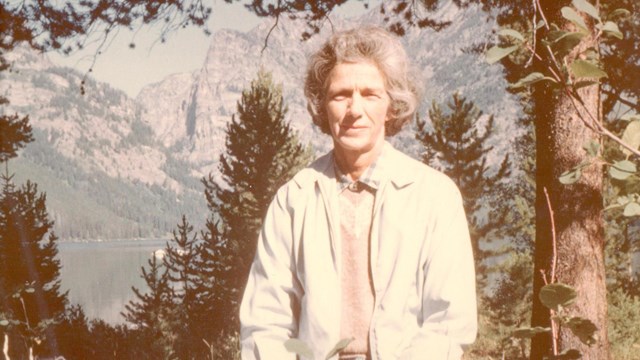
(151, 61)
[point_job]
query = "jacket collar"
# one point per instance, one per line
(397, 169)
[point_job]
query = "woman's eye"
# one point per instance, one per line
(339, 97)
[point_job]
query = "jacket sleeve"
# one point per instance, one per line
(268, 310)
(449, 308)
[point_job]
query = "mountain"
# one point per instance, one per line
(116, 167)
(201, 109)
(104, 172)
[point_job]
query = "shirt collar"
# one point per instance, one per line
(372, 176)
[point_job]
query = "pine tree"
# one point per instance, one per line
(31, 302)
(458, 148)
(74, 335)
(15, 133)
(214, 282)
(181, 262)
(152, 312)
(262, 153)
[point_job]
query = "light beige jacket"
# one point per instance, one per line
(422, 267)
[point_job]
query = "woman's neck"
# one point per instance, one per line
(354, 164)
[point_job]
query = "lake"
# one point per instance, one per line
(99, 274)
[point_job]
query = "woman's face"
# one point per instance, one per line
(357, 107)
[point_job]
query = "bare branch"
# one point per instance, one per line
(266, 38)
(619, 98)
(554, 263)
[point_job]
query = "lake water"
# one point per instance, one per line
(99, 275)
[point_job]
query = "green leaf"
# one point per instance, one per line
(557, 295)
(630, 117)
(339, 346)
(611, 28)
(528, 333)
(496, 53)
(622, 169)
(299, 347)
(584, 329)
(567, 41)
(29, 290)
(571, 176)
(555, 35)
(591, 54)
(586, 7)
(583, 83)
(530, 80)
(511, 33)
(619, 12)
(623, 199)
(582, 68)
(631, 136)
(592, 148)
(571, 15)
(631, 209)
(4, 323)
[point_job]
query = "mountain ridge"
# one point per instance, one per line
(152, 150)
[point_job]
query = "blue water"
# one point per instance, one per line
(99, 275)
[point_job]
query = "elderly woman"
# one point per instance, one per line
(366, 243)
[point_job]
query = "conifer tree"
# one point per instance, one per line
(262, 153)
(181, 262)
(15, 133)
(152, 312)
(457, 147)
(31, 301)
(214, 278)
(75, 339)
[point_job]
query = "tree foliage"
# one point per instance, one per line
(262, 153)
(64, 27)
(566, 50)
(31, 301)
(15, 133)
(617, 56)
(192, 303)
(153, 311)
(458, 145)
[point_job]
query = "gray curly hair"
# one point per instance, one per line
(368, 44)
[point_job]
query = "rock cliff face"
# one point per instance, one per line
(153, 149)
(197, 111)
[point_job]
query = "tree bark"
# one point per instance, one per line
(577, 208)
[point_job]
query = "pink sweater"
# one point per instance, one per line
(356, 207)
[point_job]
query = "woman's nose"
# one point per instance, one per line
(356, 105)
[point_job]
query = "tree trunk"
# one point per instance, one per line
(577, 208)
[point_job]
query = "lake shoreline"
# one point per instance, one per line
(99, 275)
